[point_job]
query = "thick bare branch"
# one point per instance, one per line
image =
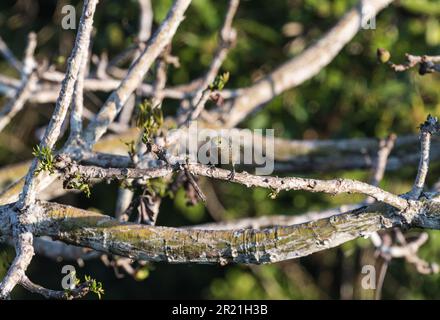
(274, 244)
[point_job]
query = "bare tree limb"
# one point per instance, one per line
(78, 99)
(22, 232)
(79, 292)
(227, 38)
(336, 186)
(269, 245)
(273, 220)
(145, 20)
(426, 130)
(9, 56)
(65, 97)
(28, 81)
(137, 71)
(24, 253)
(427, 64)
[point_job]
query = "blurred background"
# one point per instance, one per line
(353, 97)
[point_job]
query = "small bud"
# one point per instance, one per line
(383, 55)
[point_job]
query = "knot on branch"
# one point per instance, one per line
(431, 125)
(73, 177)
(427, 67)
(62, 162)
(411, 212)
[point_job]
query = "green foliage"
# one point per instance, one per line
(219, 82)
(46, 159)
(428, 7)
(273, 194)
(149, 118)
(131, 148)
(157, 186)
(95, 286)
(78, 182)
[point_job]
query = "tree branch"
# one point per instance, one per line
(65, 96)
(304, 66)
(428, 128)
(28, 81)
(105, 234)
(137, 71)
(79, 292)
(336, 186)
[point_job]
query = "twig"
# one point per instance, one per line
(18, 101)
(65, 97)
(429, 127)
(79, 292)
(408, 251)
(125, 196)
(379, 166)
(427, 64)
(227, 38)
(194, 184)
(273, 220)
(381, 278)
(46, 92)
(336, 186)
(59, 251)
(78, 99)
(24, 253)
(28, 81)
(9, 56)
(145, 20)
(136, 73)
(385, 148)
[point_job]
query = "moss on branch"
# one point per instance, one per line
(103, 233)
